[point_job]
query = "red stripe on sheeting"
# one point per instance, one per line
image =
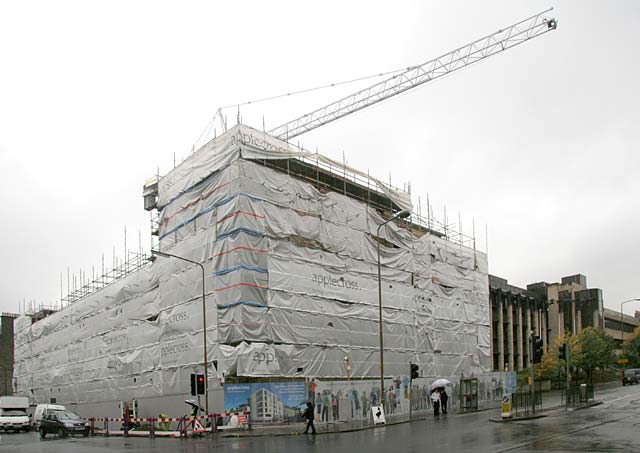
(253, 285)
(240, 247)
(188, 205)
(240, 212)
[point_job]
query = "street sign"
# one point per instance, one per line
(623, 360)
(378, 415)
(506, 406)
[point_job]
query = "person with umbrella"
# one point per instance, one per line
(435, 402)
(443, 400)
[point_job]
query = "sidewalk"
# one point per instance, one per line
(551, 405)
(292, 429)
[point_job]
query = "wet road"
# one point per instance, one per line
(612, 426)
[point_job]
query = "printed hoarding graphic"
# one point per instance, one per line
(268, 402)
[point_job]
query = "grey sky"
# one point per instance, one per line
(539, 143)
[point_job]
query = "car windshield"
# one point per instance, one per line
(629, 372)
(14, 413)
(68, 416)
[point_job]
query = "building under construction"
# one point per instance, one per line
(291, 244)
(288, 240)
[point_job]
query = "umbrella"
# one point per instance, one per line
(439, 383)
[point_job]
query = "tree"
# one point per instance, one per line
(595, 350)
(550, 367)
(631, 349)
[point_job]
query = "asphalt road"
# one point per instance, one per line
(612, 426)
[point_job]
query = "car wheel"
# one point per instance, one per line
(42, 432)
(61, 432)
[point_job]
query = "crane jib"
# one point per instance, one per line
(415, 76)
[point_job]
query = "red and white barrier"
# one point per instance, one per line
(186, 424)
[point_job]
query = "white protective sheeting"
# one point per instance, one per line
(291, 289)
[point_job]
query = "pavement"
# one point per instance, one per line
(551, 402)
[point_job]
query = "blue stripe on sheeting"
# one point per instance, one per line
(240, 230)
(209, 209)
(251, 304)
(246, 267)
(195, 186)
(203, 212)
(251, 197)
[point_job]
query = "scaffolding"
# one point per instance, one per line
(338, 178)
(133, 262)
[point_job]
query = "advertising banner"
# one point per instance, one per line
(268, 402)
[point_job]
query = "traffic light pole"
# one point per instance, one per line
(566, 400)
(410, 389)
(533, 374)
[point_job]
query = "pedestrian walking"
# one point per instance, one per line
(309, 415)
(435, 402)
(444, 398)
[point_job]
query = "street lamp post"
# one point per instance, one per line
(622, 316)
(204, 322)
(347, 362)
(403, 215)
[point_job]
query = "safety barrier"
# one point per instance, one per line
(160, 426)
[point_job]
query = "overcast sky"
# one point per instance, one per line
(538, 143)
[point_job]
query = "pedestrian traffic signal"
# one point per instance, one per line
(414, 371)
(538, 349)
(562, 352)
(197, 384)
(193, 384)
(200, 384)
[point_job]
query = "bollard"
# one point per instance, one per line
(183, 427)
(106, 427)
(152, 427)
(92, 426)
(126, 427)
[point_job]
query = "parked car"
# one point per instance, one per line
(63, 424)
(630, 376)
(42, 409)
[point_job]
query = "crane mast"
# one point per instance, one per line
(415, 76)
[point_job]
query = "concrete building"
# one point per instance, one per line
(620, 328)
(515, 313)
(572, 306)
(6, 353)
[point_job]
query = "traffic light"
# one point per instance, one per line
(537, 349)
(414, 371)
(200, 384)
(193, 384)
(562, 352)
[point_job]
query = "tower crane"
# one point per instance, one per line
(415, 76)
